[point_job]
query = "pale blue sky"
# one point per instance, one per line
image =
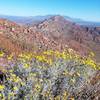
(84, 9)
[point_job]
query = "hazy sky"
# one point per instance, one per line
(84, 9)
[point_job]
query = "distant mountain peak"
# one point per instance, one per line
(59, 18)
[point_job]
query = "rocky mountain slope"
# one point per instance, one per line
(81, 38)
(53, 33)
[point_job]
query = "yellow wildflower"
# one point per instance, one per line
(49, 61)
(26, 65)
(2, 87)
(10, 57)
(37, 87)
(1, 54)
(49, 52)
(39, 58)
(63, 55)
(15, 88)
(28, 56)
(13, 75)
(91, 63)
(58, 54)
(17, 79)
(0, 95)
(25, 56)
(23, 83)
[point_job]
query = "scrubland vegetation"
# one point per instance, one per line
(49, 75)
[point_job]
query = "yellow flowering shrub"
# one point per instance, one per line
(49, 75)
(90, 62)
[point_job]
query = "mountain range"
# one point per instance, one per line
(18, 34)
(37, 19)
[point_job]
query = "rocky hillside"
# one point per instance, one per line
(53, 33)
(80, 38)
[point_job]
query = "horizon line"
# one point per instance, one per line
(49, 15)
